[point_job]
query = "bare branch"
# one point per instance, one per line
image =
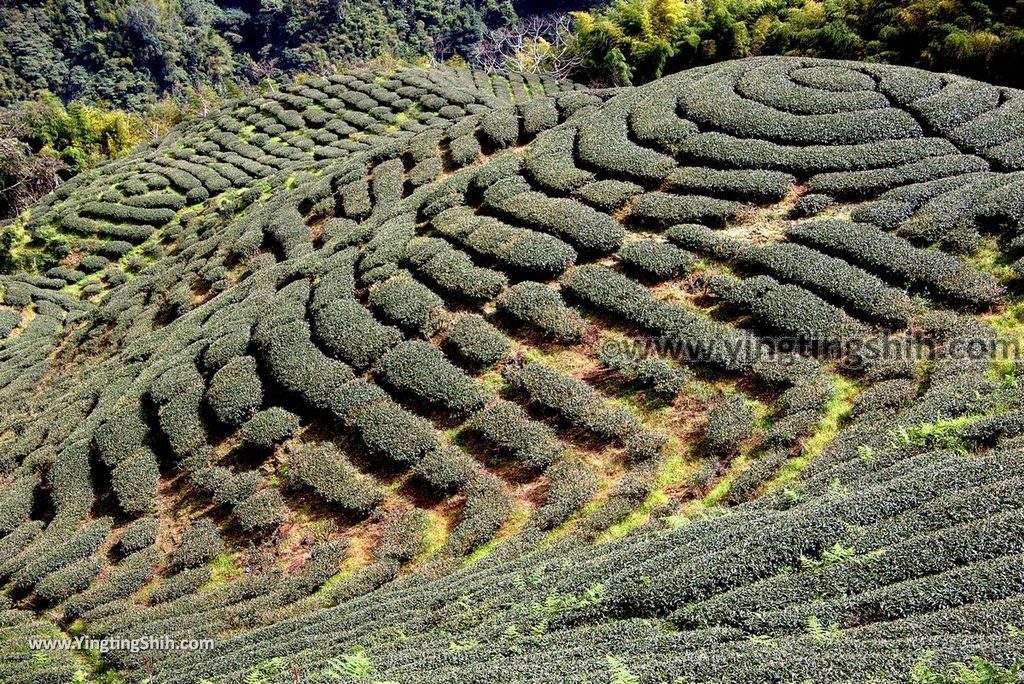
(264, 70)
(538, 44)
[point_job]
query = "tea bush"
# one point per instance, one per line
(478, 342)
(328, 472)
(507, 427)
(235, 391)
(573, 400)
(656, 259)
(199, 543)
(729, 423)
(541, 306)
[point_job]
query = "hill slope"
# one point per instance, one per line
(350, 376)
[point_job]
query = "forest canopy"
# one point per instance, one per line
(635, 41)
(128, 55)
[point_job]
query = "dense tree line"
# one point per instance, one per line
(43, 141)
(128, 54)
(634, 41)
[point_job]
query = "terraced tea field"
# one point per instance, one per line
(440, 376)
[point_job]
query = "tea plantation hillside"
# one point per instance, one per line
(357, 379)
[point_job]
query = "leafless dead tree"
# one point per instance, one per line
(441, 50)
(264, 70)
(204, 103)
(328, 68)
(24, 176)
(538, 44)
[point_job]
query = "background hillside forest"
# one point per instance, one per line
(82, 81)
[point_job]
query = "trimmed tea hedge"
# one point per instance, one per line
(199, 544)
(423, 370)
(487, 508)
(235, 391)
(662, 209)
(833, 279)
(539, 305)
(790, 310)
(453, 271)
(935, 273)
(513, 248)
(134, 481)
(445, 468)
(656, 259)
(391, 431)
(664, 379)
(270, 427)
(350, 332)
(758, 187)
(478, 342)
(572, 484)
(587, 229)
(407, 302)
(729, 423)
(138, 534)
(507, 427)
(260, 511)
(573, 400)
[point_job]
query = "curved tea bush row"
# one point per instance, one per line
(663, 209)
(757, 187)
(369, 507)
(729, 423)
(574, 401)
(656, 259)
(452, 270)
(857, 184)
(478, 342)
(506, 427)
(664, 379)
(713, 101)
(407, 302)
(514, 248)
(586, 228)
(899, 261)
(550, 163)
(538, 305)
(422, 369)
(696, 337)
(773, 84)
(789, 310)
(831, 278)
(718, 149)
